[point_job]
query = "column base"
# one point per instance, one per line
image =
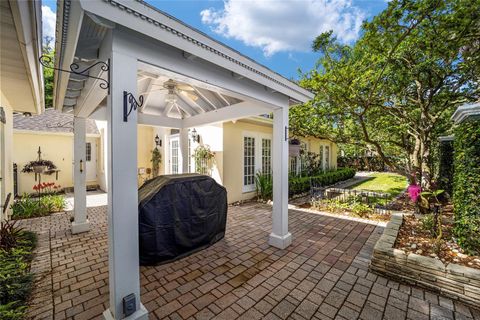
(140, 314)
(280, 242)
(80, 227)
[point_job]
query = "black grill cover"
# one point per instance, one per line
(178, 215)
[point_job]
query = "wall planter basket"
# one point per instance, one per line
(39, 169)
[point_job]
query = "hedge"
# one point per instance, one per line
(300, 185)
(445, 169)
(466, 186)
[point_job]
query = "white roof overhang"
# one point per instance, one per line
(21, 75)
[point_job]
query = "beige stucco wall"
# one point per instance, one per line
(6, 150)
(145, 145)
(226, 140)
(56, 147)
(233, 157)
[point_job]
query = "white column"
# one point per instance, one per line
(183, 147)
(80, 222)
(280, 237)
(123, 255)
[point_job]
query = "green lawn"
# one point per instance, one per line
(385, 182)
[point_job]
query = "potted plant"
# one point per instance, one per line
(294, 147)
(39, 166)
(202, 156)
(156, 161)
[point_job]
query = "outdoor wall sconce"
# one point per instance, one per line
(129, 99)
(195, 136)
(158, 141)
(47, 62)
(81, 166)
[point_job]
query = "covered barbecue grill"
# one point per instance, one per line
(178, 215)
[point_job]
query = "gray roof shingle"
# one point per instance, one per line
(50, 121)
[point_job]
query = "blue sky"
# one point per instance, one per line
(275, 33)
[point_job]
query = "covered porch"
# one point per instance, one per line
(128, 64)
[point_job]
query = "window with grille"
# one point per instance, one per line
(248, 161)
(266, 156)
(293, 166)
(88, 149)
(174, 156)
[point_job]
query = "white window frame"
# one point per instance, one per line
(258, 136)
(173, 138)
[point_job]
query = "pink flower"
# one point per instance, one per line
(414, 191)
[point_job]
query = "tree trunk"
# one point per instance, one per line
(425, 157)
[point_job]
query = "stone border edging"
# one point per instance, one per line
(452, 280)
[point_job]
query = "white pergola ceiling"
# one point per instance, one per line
(164, 96)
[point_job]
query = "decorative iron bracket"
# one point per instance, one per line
(129, 99)
(66, 125)
(47, 62)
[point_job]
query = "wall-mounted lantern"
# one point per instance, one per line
(158, 141)
(195, 136)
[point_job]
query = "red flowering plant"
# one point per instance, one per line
(46, 188)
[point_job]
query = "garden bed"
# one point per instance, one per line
(15, 276)
(451, 279)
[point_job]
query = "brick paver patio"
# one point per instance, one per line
(322, 275)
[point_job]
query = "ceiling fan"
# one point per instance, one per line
(176, 88)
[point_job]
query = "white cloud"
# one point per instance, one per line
(287, 25)
(48, 20)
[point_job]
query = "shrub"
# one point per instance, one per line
(264, 186)
(428, 223)
(466, 186)
(15, 277)
(298, 185)
(351, 204)
(28, 207)
(53, 203)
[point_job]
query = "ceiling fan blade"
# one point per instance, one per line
(185, 87)
(192, 96)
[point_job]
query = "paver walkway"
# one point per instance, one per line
(322, 275)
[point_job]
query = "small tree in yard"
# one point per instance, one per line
(396, 88)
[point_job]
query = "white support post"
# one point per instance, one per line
(183, 151)
(123, 255)
(80, 222)
(280, 237)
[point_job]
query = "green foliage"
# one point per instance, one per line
(366, 163)
(15, 277)
(202, 157)
(351, 204)
(48, 75)
(466, 186)
(445, 174)
(156, 160)
(428, 223)
(9, 234)
(28, 207)
(264, 186)
(395, 89)
(12, 311)
(28, 168)
(298, 185)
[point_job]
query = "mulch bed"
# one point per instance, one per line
(413, 238)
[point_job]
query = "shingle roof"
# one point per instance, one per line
(50, 121)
